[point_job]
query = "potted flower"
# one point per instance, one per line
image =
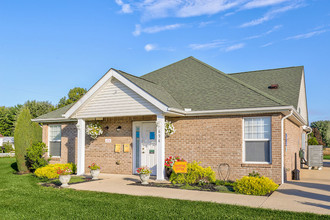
(94, 130)
(64, 175)
(144, 174)
(169, 162)
(169, 128)
(95, 171)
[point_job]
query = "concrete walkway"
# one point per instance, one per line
(312, 194)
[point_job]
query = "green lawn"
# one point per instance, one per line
(326, 157)
(22, 198)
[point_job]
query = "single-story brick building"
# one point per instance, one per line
(254, 121)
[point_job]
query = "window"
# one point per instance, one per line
(257, 140)
(55, 140)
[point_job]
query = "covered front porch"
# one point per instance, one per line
(126, 143)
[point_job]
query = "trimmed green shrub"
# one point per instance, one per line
(7, 147)
(254, 174)
(194, 174)
(26, 134)
(255, 185)
(74, 167)
(50, 171)
(35, 156)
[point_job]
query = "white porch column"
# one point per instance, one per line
(160, 147)
(81, 147)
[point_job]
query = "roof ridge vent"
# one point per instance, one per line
(273, 86)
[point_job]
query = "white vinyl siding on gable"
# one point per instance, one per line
(116, 99)
(257, 140)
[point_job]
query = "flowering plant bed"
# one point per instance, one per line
(169, 162)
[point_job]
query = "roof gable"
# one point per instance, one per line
(115, 99)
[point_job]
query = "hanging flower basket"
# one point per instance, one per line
(94, 130)
(169, 128)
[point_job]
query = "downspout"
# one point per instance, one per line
(282, 143)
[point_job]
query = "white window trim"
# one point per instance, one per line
(243, 140)
(56, 141)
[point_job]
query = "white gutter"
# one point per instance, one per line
(282, 144)
(231, 111)
(53, 120)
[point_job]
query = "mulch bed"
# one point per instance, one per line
(58, 184)
(208, 187)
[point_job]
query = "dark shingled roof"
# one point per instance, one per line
(196, 85)
(190, 83)
(288, 79)
(56, 114)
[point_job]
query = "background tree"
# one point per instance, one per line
(74, 95)
(38, 108)
(324, 129)
(27, 133)
(8, 117)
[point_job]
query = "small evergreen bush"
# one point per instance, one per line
(50, 171)
(194, 174)
(35, 156)
(26, 134)
(259, 186)
(7, 147)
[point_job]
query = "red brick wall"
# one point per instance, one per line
(68, 143)
(294, 139)
(104, 153)
(211, 140)
(215, 140)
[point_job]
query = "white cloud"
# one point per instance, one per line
(150, 47)
(271, 14)
(268, 44)
(307, 35)
(154, 29)
(214, 44)
(152, 9)
(261, 3)
(235, 47)
(275, 28)
(205, 23)
(125, 8)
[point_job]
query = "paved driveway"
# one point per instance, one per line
(311, 194)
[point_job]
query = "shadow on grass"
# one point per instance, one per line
(14, 166)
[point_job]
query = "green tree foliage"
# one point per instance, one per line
(324, 128)
(26, 134)
(74, 95)
(312, 141)
(35, 156)
(38, 108)
(7, 120)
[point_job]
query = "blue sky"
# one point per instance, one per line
(49, 47)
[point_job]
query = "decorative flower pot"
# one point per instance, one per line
(95, 174)
(144, 179)
(168, 172)
(64, 179)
